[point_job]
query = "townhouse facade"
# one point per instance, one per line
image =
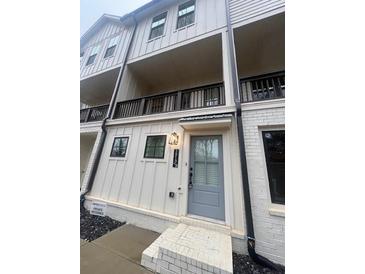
(159, 142)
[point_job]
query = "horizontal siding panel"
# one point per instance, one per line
(241, 10)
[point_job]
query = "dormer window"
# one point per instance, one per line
(186, 14)
(111, 47)
(93, 54)
(158, 24)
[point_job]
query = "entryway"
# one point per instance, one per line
(206, 180)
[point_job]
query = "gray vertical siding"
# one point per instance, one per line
(209, 16)
(102, 38)
(242, 10)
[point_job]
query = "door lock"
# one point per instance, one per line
(190, 186)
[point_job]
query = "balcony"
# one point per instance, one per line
(202, 97)
(93, 114)
(264, 87)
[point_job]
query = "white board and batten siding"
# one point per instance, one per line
(245, 10)
(134, 180)
(209, 17)
(101, 38)
(145, 183)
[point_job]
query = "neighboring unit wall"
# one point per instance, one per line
(209, 16)
(242, 10)
(130, 87)
(269, 228)
(91, 158)
(102, 38)
(86, 146)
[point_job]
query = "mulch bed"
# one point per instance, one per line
(243, 264)
(93, 227)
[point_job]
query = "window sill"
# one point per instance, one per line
(109, 57)
(153, 39)
(185, 27)
(277, 210)
(89, 65)
(154, 160)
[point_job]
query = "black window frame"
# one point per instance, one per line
(274, 199)
(109, 52)
(181, 17)
(91, 59)
(156, 19)
(154, 155)
(126, 147)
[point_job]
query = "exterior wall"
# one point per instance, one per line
(209, 16)
(86, 146)
(269, 228)
(136, 181)
(90, 161)
(243, 10)
(130, 87)
(102, 38)
(145, 183)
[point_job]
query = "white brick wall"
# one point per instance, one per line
(269, 229)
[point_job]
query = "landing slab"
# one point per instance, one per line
(190, 249)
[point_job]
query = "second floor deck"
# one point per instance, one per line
(252, 89)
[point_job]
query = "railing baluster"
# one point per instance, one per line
(181, 100)
(263, 87)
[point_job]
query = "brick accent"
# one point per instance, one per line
(269, 229)
(188, 249)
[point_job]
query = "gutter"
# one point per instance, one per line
(251, 241)
(99, 150)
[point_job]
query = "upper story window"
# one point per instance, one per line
(119, 148)
(155, 147)
(186, 14)
(158, 24)
(274, 144)
(93, 54)
(81, 56)
(111, 47)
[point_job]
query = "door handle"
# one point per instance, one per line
(190, 185)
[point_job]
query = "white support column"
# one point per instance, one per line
(227, 70)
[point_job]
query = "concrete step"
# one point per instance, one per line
(189, 249)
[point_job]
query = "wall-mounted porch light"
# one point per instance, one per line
(174, 139)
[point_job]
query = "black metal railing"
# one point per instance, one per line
(93, 114)
(207, 96)
(263, 87)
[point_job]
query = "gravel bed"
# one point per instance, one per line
(93, 227)
(243, 264)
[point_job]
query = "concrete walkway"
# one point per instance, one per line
(117, 252)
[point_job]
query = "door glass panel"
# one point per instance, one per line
(199, 150)
(212, 173)
(199, 173)
(206, 161)
(212, 149)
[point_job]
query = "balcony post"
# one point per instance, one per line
(141, 107)
(87, 115)
(178, 101)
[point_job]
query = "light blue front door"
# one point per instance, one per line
(206, 188)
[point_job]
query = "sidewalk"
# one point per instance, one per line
(117, 252)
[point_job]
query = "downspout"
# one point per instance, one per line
(257, 258)
(99, 150)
